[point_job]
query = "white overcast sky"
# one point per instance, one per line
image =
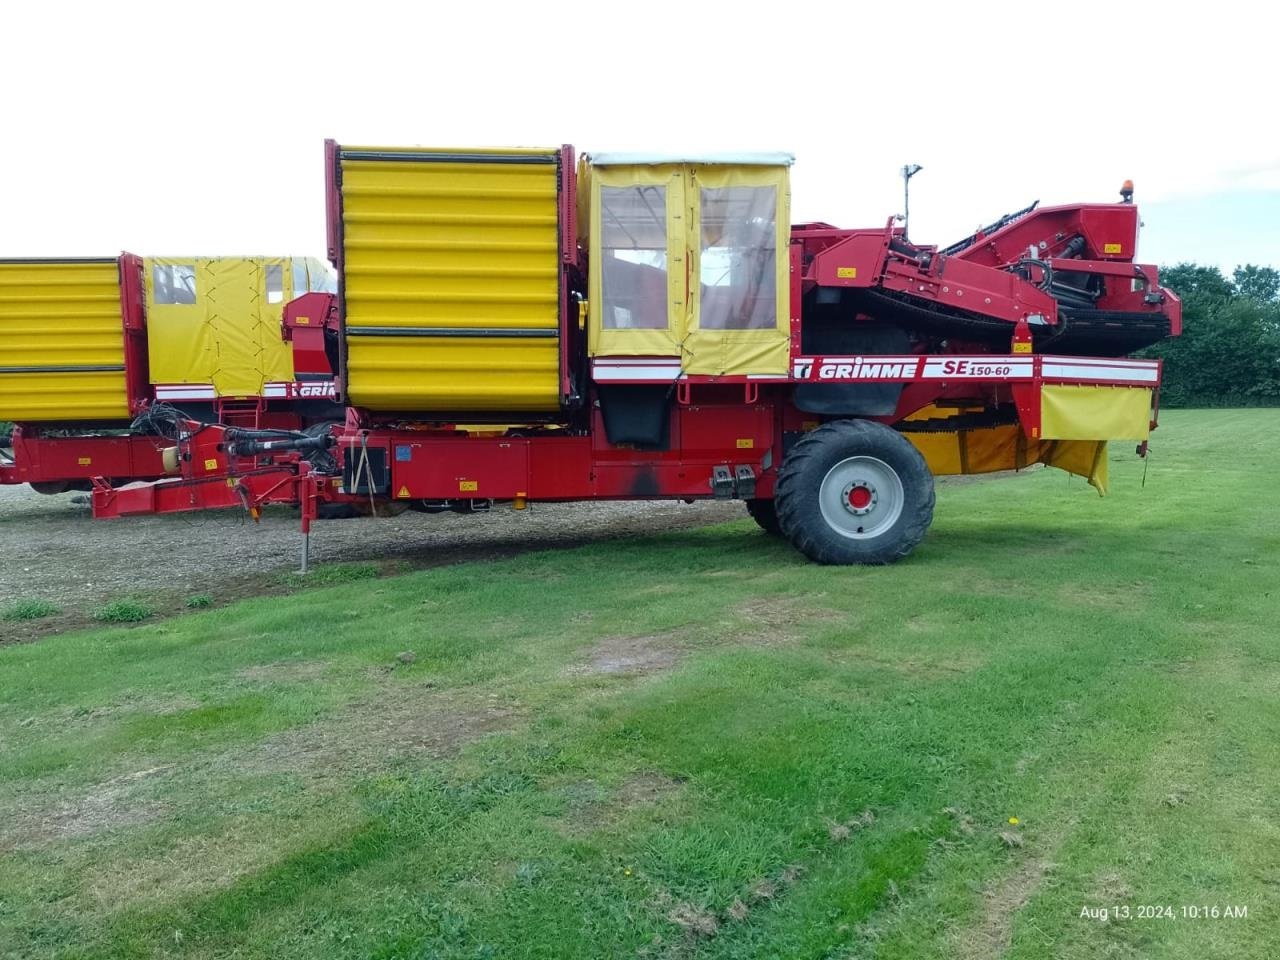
(196, 128)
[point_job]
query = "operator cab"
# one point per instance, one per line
(689, 273)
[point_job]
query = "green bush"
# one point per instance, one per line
(29, 610)
(200, 600)
(1229, 351)
(126, 610)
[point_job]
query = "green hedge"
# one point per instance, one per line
(1229, 351)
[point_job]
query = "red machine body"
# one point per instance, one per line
(971, 337)
(311, 324)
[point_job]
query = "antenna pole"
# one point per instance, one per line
(909, 170)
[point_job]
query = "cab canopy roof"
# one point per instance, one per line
(623, 159)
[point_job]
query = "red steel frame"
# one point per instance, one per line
(713, 424)
(134, 321)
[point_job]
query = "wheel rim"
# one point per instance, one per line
(861, 497)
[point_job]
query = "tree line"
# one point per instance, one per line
(1229, 351)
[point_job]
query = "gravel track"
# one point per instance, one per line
(52, 548)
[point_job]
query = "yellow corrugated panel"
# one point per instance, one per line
(61, 341)
(480, 374)
(434, 245)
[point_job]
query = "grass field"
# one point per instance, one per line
(695, 745)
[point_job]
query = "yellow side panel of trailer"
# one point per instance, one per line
(451, 279)
(61, 341)
(216, 320)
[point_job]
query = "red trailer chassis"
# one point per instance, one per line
(547, 465)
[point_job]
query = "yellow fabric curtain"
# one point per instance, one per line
(749, 335)
(638, 239)
(1008, 448)
(181, 340)
(1070, 412)
(212, 320)
(714, 240)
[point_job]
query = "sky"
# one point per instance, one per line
(197, 129)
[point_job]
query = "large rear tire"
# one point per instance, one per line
(764, 513)
(854, 491)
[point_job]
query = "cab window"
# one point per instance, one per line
(275, 283)
(174, 283)
(738, 266)
(299, 277)
(634, 253)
